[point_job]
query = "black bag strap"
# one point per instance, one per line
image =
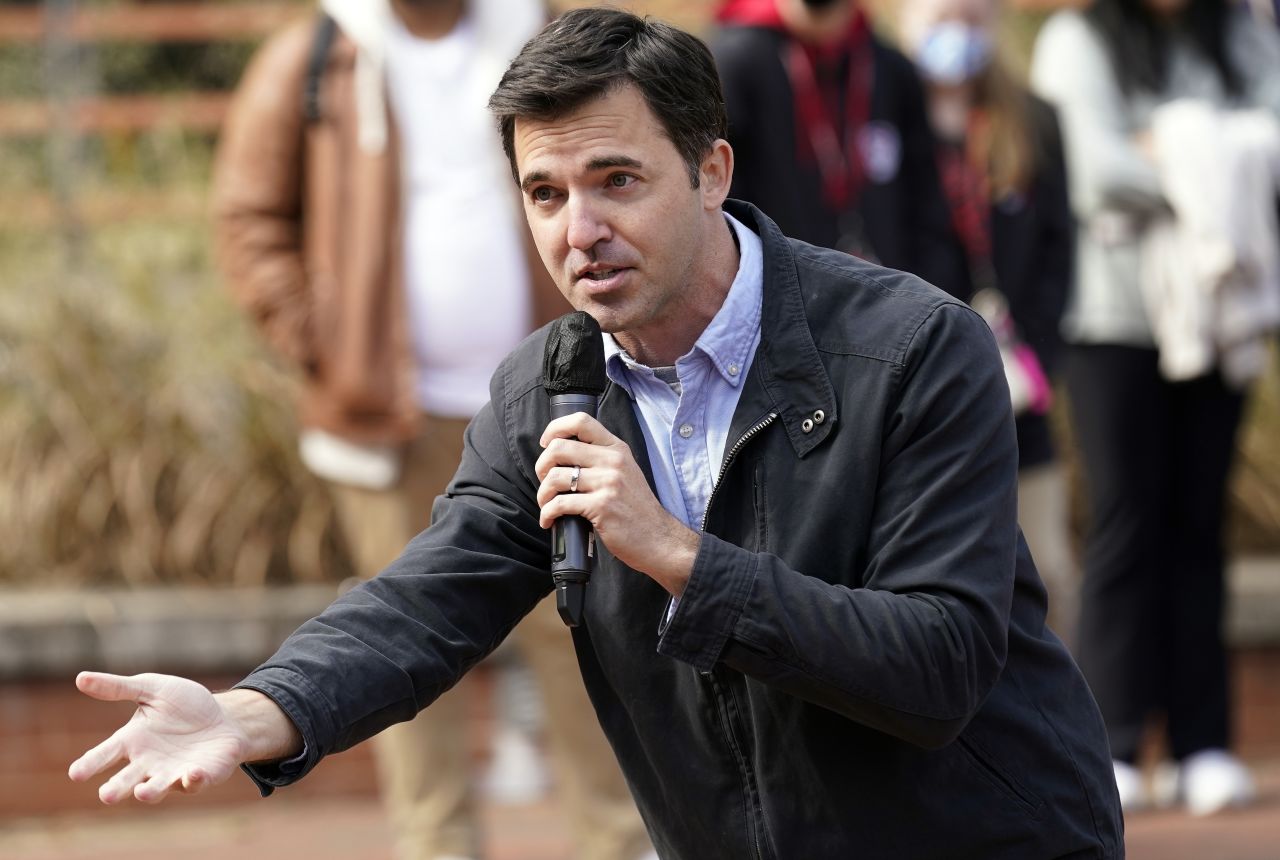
(325, 31)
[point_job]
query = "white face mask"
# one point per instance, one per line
(953, 53)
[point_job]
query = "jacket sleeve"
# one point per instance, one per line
(257, 195)
(389, 647)
(1071, 69)
(915, 650)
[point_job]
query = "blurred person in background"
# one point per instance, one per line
(365, 220)
(1172, 182)
(1000, 159)
(829, 131)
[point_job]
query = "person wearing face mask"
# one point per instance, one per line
(366, 222)
(829, 128)
(1000, 160)
(1155, 412)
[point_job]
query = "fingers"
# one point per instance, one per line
(150, 787)
(157, 786)
(604, 466)
(560, 480)
(194, 780)
(599, 491)
(134, 778)
(96, 760)
(565, 505)
(572, 452)
(563, 452)
(581, 425)
(122, 784)
(153, 789)
(581, 440)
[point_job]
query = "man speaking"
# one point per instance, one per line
(812, 628)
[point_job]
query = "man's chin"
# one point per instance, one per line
(611, 319)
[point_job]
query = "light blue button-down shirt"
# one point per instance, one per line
(686, 425)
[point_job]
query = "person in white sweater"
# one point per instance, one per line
(1156, 451)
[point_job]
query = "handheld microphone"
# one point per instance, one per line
(574, 378)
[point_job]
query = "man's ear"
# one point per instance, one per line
(715, 175)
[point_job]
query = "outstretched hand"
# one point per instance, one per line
(180, 738)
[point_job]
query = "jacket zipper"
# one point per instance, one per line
(750, 785)
(728, 460)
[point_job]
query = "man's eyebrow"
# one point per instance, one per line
(607, 161)
(534, 178)
(604, 162)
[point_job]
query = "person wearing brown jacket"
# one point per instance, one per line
(366, 221)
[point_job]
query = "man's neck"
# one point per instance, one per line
(708, 286)
(429, 20)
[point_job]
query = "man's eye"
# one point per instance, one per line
(541, 194)
(621, 180)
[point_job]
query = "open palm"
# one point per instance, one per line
(179, 738)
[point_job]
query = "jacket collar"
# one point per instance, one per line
(787, 375)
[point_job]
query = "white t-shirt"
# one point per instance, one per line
(465, 269)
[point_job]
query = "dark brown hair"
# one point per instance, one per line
(585, 53)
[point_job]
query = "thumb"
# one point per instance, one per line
(113, 688)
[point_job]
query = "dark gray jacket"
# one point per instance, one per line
(859, 666)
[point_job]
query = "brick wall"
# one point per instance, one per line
(1257, 694)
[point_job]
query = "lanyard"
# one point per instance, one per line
(837, 155)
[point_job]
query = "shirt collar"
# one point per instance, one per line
(730, 337)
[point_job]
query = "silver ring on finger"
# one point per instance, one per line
(573, 479)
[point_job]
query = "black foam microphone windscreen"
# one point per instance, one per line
(573, 361)
(574, 378)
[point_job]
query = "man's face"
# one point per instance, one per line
(613, 212)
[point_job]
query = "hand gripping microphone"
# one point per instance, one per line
(573, 376)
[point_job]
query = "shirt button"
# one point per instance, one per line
(733, 369)
(686, 430)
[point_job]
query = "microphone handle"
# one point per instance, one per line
(571, 536)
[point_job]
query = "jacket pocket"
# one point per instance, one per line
(999, 778)
(762, 507)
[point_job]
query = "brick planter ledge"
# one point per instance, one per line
(46, 634)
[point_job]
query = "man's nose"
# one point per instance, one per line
(587, 225)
